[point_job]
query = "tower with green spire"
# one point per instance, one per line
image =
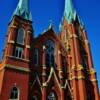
(70, 14)
(74, 38)
(15, 68)
(22, 10)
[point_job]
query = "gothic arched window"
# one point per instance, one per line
(36, 56)
(14, 94)
(20, 36)
(50, 53)
(52, 96)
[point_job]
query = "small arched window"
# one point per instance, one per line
(50, 53)
(14, 94)
(20, 36)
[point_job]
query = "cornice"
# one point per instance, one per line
(18, 68)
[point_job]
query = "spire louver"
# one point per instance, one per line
(22, 10)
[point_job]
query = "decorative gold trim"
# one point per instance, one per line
(75, 36)
(44, 67)
(93, 80)
(44, 84)
(43, 74)
(86, 41)
(25, 60)
(92, 71)
(37, 78)
(80, 67)
(28, 46)
(78, 78)
(52, 71)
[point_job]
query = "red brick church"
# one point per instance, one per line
(48, 67)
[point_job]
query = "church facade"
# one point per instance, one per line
(48, 67)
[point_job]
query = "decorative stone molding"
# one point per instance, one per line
(11, 41)
(17, 68)
(38, 80)
(28, 46)
(29, 32)
(93, 80)
(44, 47)
(13, 26)
(75, 36)
(52, 72)
(80, 67)
(92, 71)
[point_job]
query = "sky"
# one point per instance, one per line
(43, 11)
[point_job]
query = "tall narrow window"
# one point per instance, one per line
(20, 36)
(18, 52)
(14, 94)
(50, 53)
(36, 56)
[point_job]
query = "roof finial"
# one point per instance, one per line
(22, 10)
(51, 25)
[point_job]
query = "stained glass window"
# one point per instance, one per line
(50, 53)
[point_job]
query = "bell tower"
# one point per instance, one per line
(82, 76)
(14, 69)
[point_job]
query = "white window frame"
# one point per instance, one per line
(19, 49)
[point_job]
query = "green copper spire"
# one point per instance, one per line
(22, 10)
(69, 12)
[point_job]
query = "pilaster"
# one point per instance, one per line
(44, 75)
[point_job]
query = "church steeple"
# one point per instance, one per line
(70, 14)
(22, 10)
(69, 11)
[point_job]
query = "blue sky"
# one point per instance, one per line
(45, 10)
